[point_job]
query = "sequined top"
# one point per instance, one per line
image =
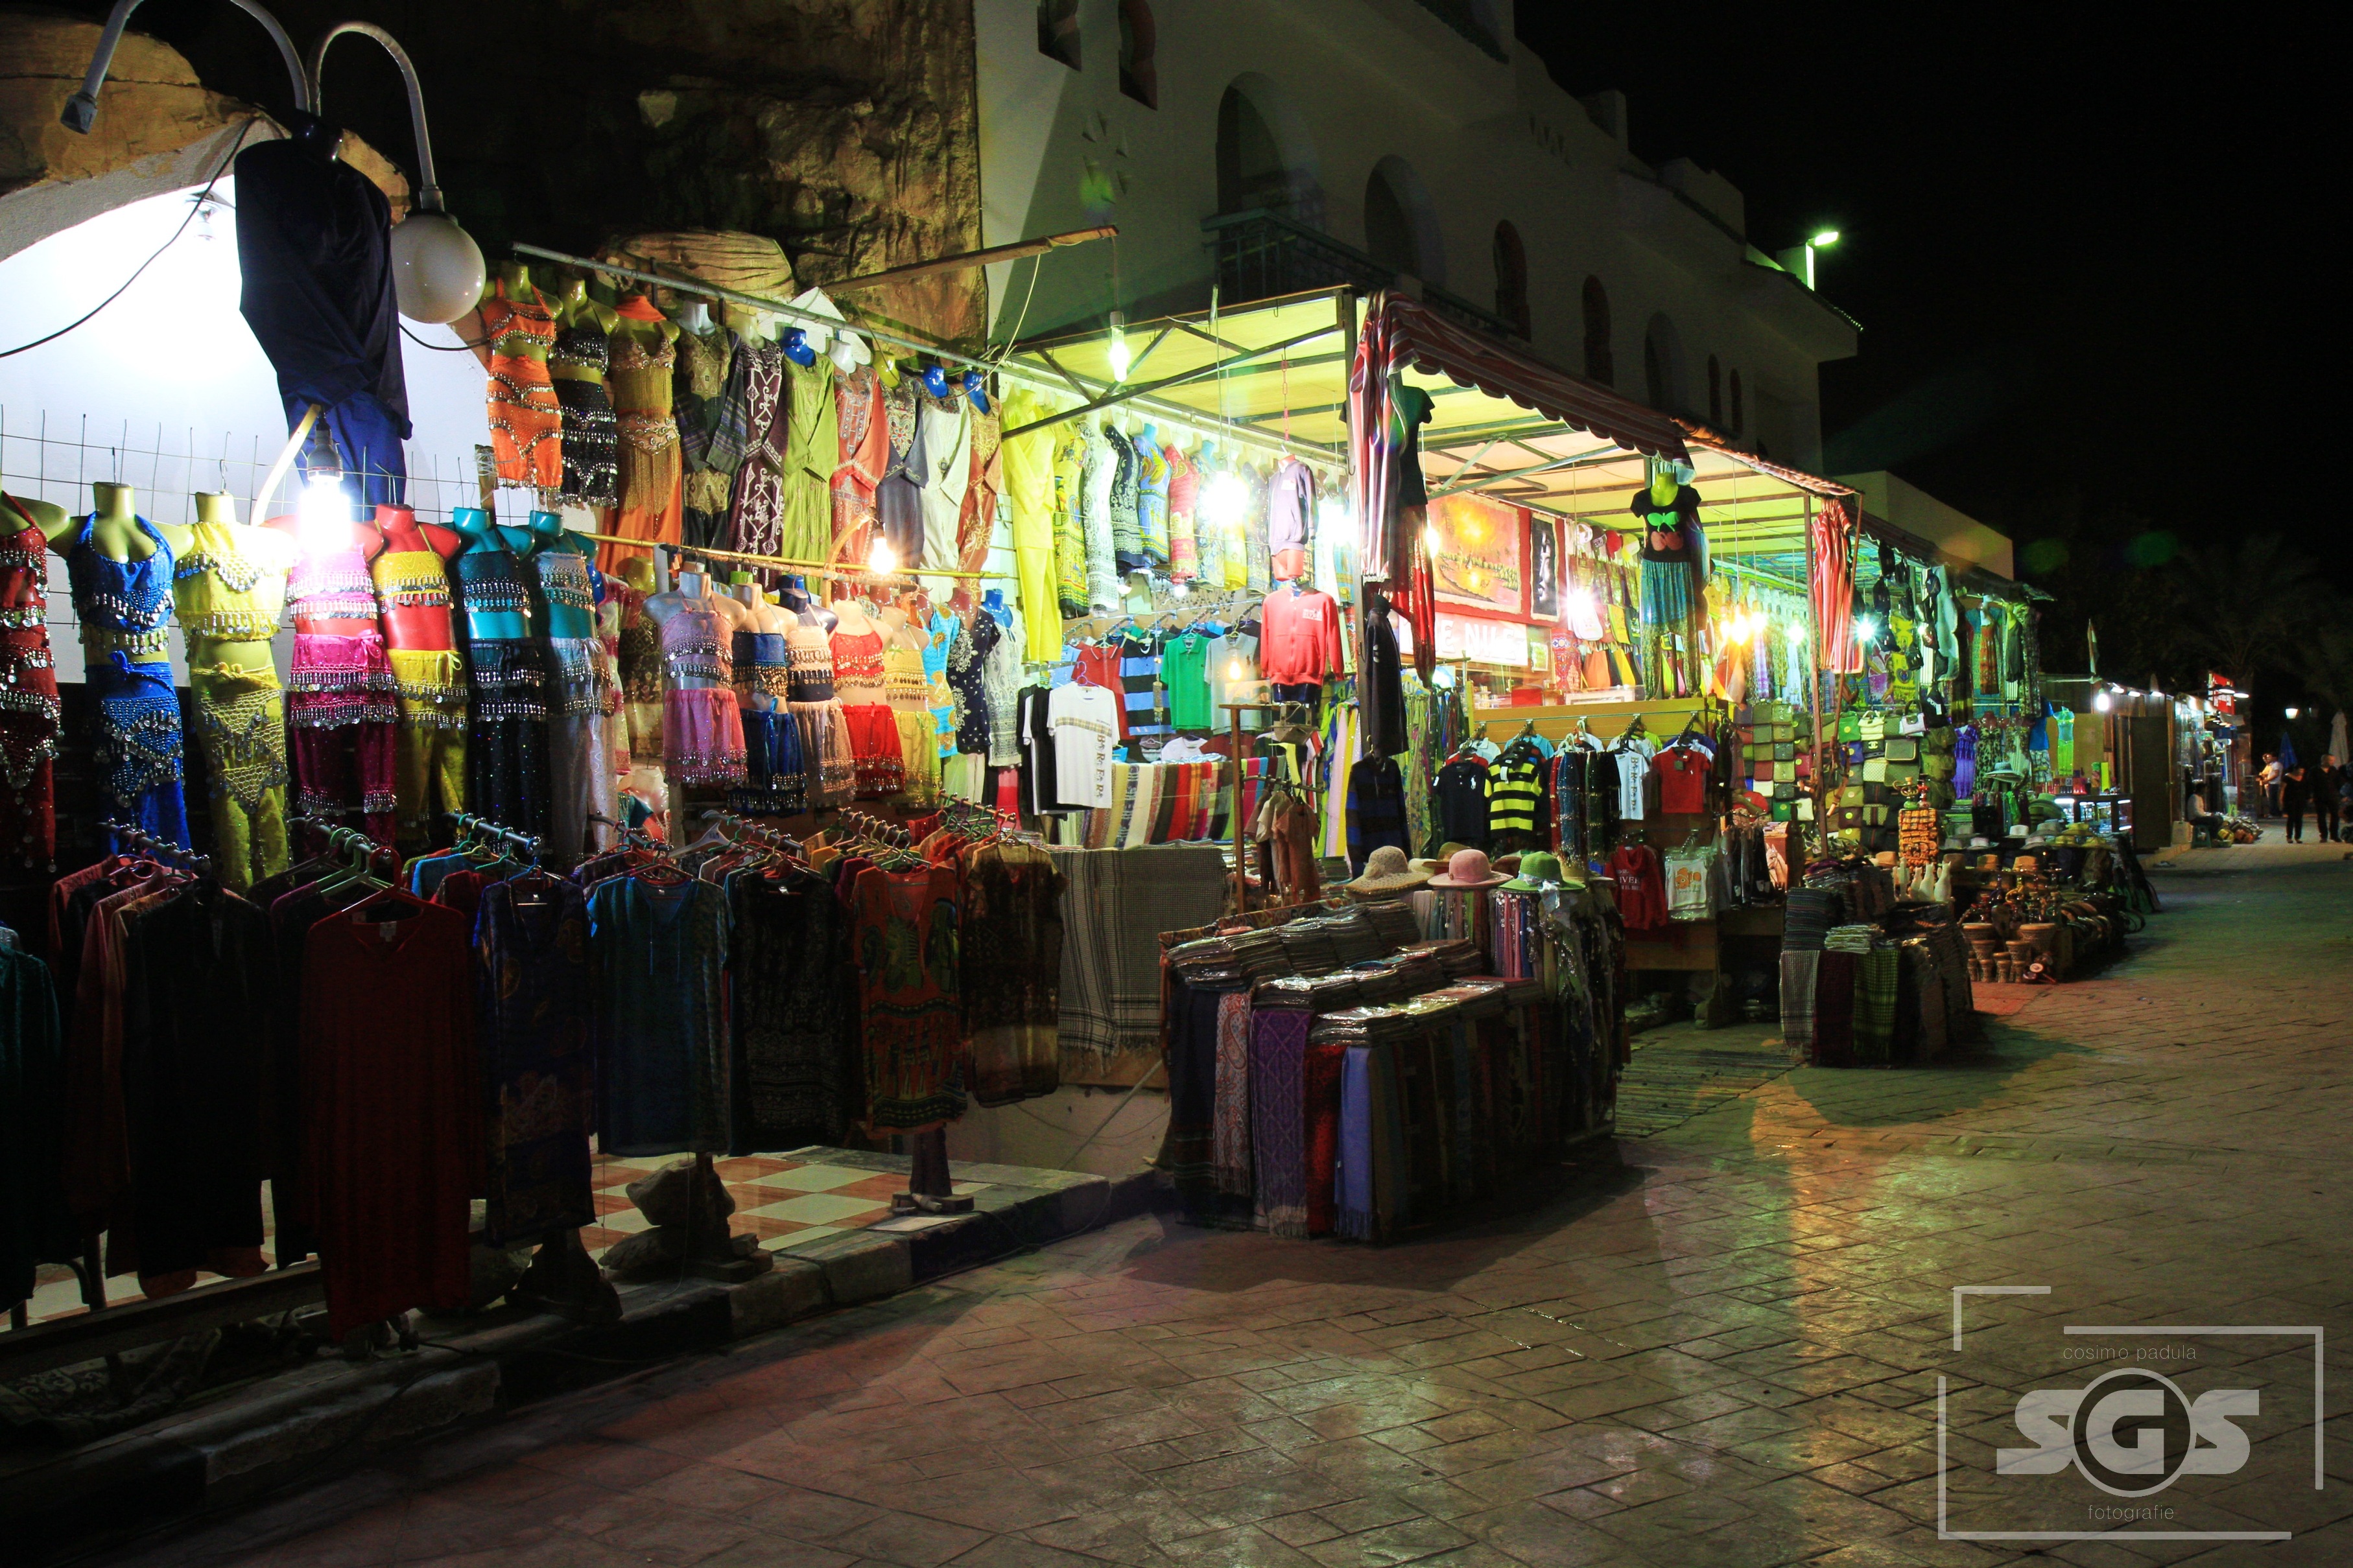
(689, 645)
(565, 589)
(232, 581)
(810, 652)
(903, 680)
(504, 318)
(125, 606)
(490, 583)
(858, 667)
(410, 580)
(578, 349)
(641, 373)
(332, 585)
(24, 574)
(763, 665)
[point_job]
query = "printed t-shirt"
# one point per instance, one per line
(1632, 769)
(1086, 721)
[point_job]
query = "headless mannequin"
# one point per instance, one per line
(691, 591)
(483, 536)
(694, 316)
(254, 654)
(766, 614)
(114, 526)
(549, 536)
(419, 628)
(361, 538)
(516, 276)
(576, 307)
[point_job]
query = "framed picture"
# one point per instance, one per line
(1480, 560)
(1543, 569)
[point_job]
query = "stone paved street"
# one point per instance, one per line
(1725, 1352)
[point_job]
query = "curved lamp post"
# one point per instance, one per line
(437, 270)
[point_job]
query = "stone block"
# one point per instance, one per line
(794, 1290)
(863, 1269)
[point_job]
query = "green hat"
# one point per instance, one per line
(1537, 869)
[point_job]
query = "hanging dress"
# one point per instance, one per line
(526, 419)
(866, 706)
(659, 976)
(793, 1012)
(506, 751)
(578, 364)
(908, 690)
(125, 606)
(1070, 527)
(812, 451)
(702, 732)
(829, 765)
(231, 588)
(532, 989)
(863, 431)
(428, 676)
(946, 442)
(652, 498)
(698, 386)
(977, 518)
(1096, 476)
(340, 690)
(898, 494)
(584, 701)
(30, 716)
(771, 742)
(908, 997)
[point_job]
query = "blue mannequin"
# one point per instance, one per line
(976, 388)
(994, 603)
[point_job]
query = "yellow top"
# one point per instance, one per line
(230, 583)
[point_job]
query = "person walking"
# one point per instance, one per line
(2326, 783)
(2270, 778)
(2295, 795)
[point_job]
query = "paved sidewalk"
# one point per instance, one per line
(1726, 1352)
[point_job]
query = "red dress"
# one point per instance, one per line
(391, 1110)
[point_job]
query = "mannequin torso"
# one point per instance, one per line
(489, 580)
(412, 580)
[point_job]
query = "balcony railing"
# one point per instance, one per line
(1263, 255)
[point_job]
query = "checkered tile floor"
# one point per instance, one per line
(785, 1203)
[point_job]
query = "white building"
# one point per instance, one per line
(1373, 139)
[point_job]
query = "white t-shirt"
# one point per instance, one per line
(1234, 678)
(1085, 722)
(1634, 767)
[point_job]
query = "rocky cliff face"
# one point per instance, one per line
(846, 129)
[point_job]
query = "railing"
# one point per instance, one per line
(1263, 255)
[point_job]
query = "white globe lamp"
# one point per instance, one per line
(438, 270)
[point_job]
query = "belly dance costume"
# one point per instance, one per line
(340, 694)
(652, 474)
(828, 767)
(124, 608)
(592, 470)
(703, 733)
(866, 710)
(229, 588)
(910, 695)
(526, 420)
(583, 698)
(755, 441)
(771, 742)
(428, 684)
(506, 749)
(29, 713)
(699, 401)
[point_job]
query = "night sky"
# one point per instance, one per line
(2083, 260)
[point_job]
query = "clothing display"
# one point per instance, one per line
(577, 363)
(703, 726)
(533, 985)
(506, 745)
(341, 684)
(30, 716)
(659, 953)
(230, 589)
(700, 375)
(124, 606)
(643, 360)
(429, 681)
(526, 420)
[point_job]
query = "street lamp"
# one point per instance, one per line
(437, 270)
(1799, 259)
(2293, 712)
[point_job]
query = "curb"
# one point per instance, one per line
(308, 1424)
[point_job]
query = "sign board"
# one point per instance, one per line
(1483, 641)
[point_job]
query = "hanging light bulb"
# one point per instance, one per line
(1119, 358)
(1797, 633)
(1223, 500)
(323, 515)
(1234, 667)
(2101, 701)
(881, 560)
(1865, 628)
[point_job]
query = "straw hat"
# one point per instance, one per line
(1386, 872)
(1468, 868)
(1437, 862)
(1537, 871)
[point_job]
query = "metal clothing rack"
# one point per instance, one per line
(780, 563)
(529, 843)
(161, 850)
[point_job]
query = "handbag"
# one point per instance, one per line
(1903, 749)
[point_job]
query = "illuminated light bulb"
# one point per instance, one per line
(2101, 700)
(1797, 631)
(1180, 590)
(1864, 629)
(1223, 500)
(323, 515)
(881, 560)
(1234, 669)
(1119, 355)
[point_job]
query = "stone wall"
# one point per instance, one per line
(847, 130)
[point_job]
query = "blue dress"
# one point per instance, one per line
(125, 609)
(660, 963)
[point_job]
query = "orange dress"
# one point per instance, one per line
(653, 468)
(526, 421)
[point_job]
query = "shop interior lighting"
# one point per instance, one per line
(1825, 239)
(1119, 355)
(323, 514)
(1866, 628)
(1223, 503)
(80, 111)
(1797, 631)
(881, 560)
(2293, 712)
(2103, 702)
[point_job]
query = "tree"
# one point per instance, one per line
(2249, 603)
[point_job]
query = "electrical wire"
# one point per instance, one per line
(463, 345)
(194, 207)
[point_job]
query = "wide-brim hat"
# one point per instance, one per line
(1467, 869)
(1386, 872)
(1436, 863)
(1538, 869)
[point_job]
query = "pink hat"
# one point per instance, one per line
(1469, 869)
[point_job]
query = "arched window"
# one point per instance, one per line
(1138, 77)
(1597, 363)
(1264, 156)
(1715, 392)
(1739, 417)
(1401, 222)
(1512, 278)
(1058, 31)
(1662, 365)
